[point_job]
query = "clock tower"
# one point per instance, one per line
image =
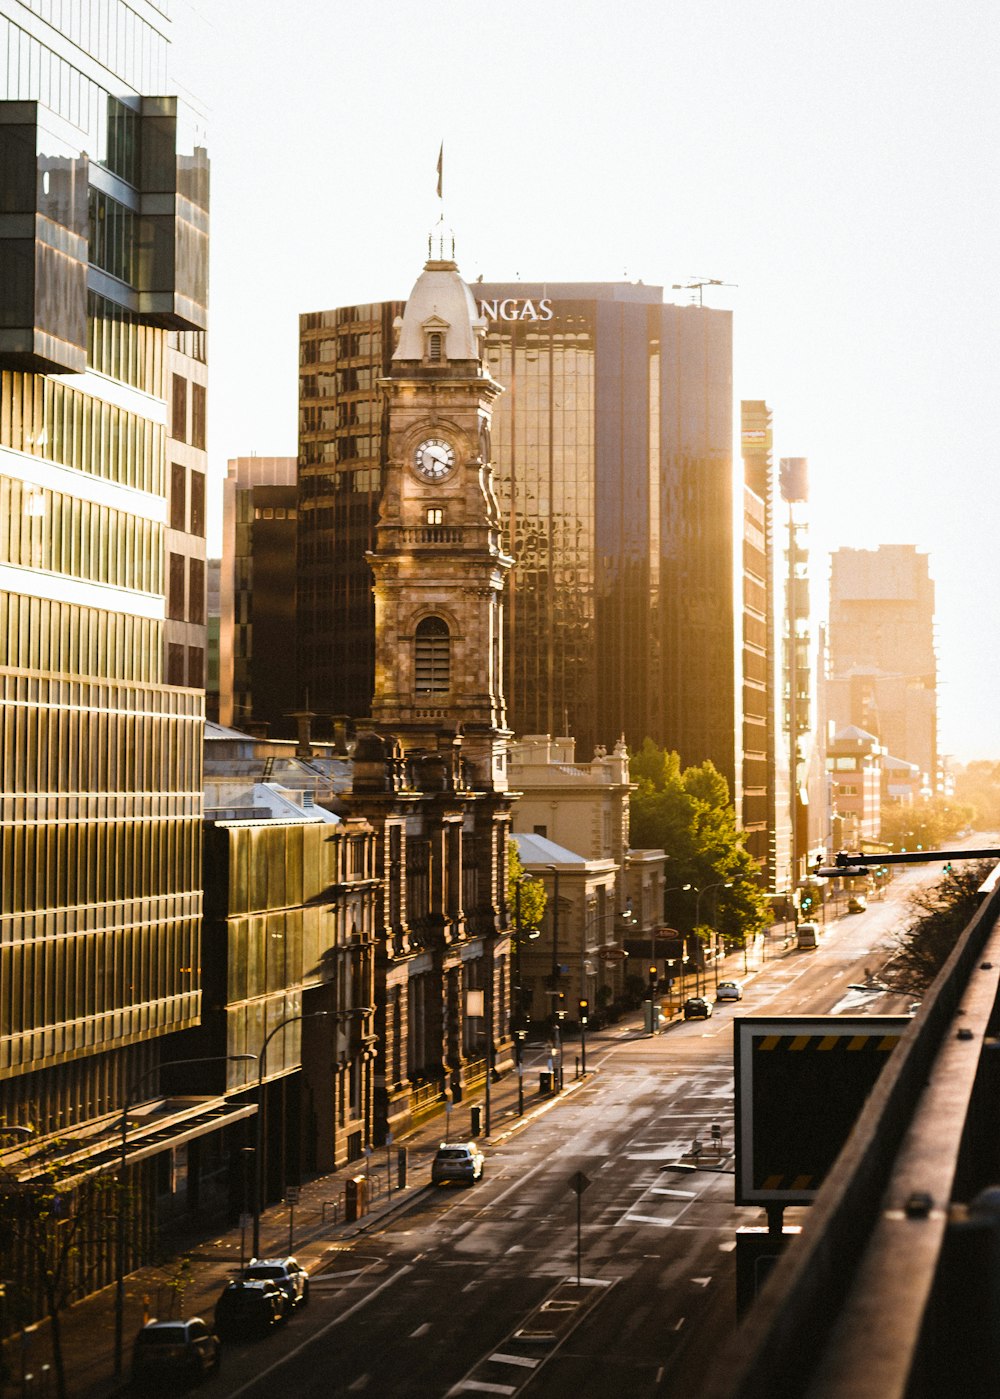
(438, 562)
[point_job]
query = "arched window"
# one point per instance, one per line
(432, 657)
(434, 345)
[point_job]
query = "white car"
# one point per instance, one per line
(461, 1161)
(287, 1273)
(729, 991)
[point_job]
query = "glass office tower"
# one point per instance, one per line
(103, 268)
(613, 447)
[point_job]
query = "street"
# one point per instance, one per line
(472, 1290)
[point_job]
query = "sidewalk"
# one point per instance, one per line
(189, 1284)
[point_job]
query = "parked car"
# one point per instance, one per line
(697, 1008)
(729, 991)
(250, 1307)
(857, 903)
(168, 1351)
(288, 1273)
(461, 1161)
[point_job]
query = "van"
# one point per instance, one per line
(807, 935)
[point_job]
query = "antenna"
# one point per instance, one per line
(699, 284)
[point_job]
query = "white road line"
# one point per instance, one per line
(525, 1360)
(422, 1330)
(482, 1387)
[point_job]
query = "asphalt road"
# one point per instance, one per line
(474, 1291)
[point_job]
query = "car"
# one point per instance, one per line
(457, 1161)
(288, 1273)
(729, 991)
(168, 1351)
(250, 1307)
(857, 903)
(697, 1008)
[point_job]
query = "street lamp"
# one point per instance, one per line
(120, 1251)
(719, 884)
(555, 946)
(259, 1147)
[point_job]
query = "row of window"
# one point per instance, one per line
(122, 347)
(48, 419)
(41, 529)
(186, 665)
(187, 500)
(193, 571)
(62, 638)
(89, 974)
(111, 31)
(274, 512)
(276, 867)
(54, 749)
(55, 865)
(113, 244)
(180, 420)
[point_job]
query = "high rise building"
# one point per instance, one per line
(257, 676)
(613, 450)
(882, 663)
(103, 265)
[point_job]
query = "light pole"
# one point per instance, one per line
(674, 889)
(120, 1251)
(259, 1148)
(719, 884)
(555, 946)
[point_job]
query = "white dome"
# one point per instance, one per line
(440, 301)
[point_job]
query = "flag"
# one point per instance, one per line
(440, 169)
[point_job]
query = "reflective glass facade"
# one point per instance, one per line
(613, 449)
(100, 755)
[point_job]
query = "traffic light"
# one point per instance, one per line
(654, 977)
(584, 1010)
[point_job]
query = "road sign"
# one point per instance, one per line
(800, 1083)
(579, 1182)
(613, 954)
(291, 1194)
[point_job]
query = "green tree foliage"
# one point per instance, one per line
(532, 896)
(978, 786)
(939, 914)
(926, 825)
(688, 814)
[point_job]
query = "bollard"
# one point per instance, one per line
(545, 1082)
(475, 1121)
(401, 1167)
(354, 1198)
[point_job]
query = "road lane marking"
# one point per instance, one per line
(499, 1359)
(482, 1387)
(420, 1331)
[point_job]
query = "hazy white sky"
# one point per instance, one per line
(836, 162)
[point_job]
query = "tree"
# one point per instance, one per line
(978, 786)
(532, 896)
(58, 1228)
(940, 913)
(926, 825)
(688, 814)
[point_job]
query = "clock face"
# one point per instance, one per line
(434, 458)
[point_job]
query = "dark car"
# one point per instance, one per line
(168, 1351)
(250, 1307)
(697, 1008)
(288, 1273)
(857, 903)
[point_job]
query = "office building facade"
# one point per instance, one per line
(613, 451)
(103, 264)
(882, 661)
(258, 688)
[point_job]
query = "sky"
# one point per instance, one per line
(834, 165)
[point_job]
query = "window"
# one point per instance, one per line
(196, 590)
(432, 657)
(196, 667)
(197, 525)
(198, 416)
(540, 830)
(178, 428)
(178, 496)
(435, 515)
(175, 664)
(175, 597)
(434, 346)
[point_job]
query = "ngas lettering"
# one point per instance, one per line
(514, 309)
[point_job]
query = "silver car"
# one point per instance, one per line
(288, 1273)
(729, 991)
(461, 1161)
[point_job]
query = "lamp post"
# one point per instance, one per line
(259, 1147)
(555, 947)
(519, 1037)
(719, 884)
(674, 889)
(120, 1250)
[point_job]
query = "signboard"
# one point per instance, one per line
(800, 1084)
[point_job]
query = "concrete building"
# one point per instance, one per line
(613, 451)
(854, 764)
(882, 658)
